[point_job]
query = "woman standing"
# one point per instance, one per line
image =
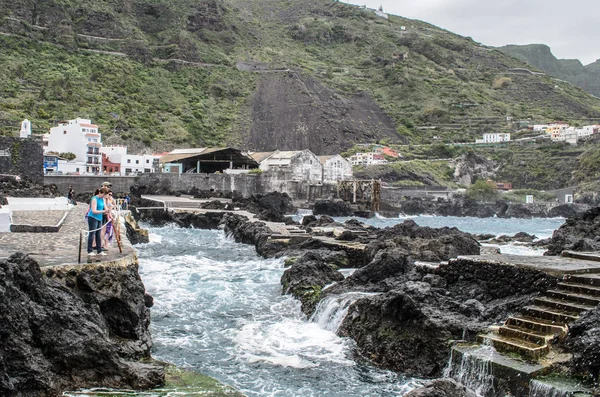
(95, 222)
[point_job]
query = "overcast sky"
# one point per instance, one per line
(571, 28)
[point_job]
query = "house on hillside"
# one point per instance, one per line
(80, 137)
(386, 151)
(335, 168)
(299, 165)
(367, 159)
(206, 160)
(494, 137)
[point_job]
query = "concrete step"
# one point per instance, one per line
(525, 334)
(564, 306)
(509, 345)
(568, 296)
(538, 325)
(554, 315)
(579, 288)
(584, 279)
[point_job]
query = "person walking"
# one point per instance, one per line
(70, 195)
(97, 209)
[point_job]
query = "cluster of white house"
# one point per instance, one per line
(562, 132)
(80, 138)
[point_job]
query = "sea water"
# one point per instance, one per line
(219, 310)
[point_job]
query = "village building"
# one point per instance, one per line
(367, 159)
(386, 151)
(25, 131)
(299, 165)
(80, 137)
(207, 161)
(115, 159)
(494, 137)
(335, 168)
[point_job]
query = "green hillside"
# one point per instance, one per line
(262, 75)
(571, 70)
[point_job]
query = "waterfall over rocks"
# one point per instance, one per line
(332, 310)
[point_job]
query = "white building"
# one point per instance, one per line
(587, 130)
(300, 165)
(367, 159)
(25, 129)
(540, 127)
(79, 137)
(335, 168)
(380, 13)
(494, 137)
(129, 164)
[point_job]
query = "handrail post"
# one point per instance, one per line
(80, 241)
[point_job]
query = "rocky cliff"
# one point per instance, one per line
(70, 327)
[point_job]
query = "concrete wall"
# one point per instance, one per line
(23, 157)
(88, 183)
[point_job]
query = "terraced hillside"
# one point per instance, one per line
(263, 75)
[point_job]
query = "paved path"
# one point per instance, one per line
(555, 265)
(37, 218)
(60, 248)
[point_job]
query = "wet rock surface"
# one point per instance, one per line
(307, 277)
(72, 329)
(583, 341)
(579, 233)
(442, 388)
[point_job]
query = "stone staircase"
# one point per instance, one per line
(546, 319)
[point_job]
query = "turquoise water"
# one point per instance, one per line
(219, 310)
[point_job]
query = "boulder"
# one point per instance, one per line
(579, 233)
(54, 337)
(332, 208)
(424, 243)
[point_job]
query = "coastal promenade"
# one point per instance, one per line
(59, 248)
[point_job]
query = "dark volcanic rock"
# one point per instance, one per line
(54, 337)
(579, 233)
(332, 208)
(424, 243)
(159, 217)
(442, 388)
(407, 328)
(306, 278)
(25, 187)
(583, 341)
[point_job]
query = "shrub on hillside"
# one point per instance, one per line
(482, 191)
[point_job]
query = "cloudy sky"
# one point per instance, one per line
(571, 28)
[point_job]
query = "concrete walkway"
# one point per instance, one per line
(554, 265)
(61, 248)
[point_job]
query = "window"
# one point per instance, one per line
(128, 170)
(65, 132)
(129, 162)
(146, 169)
(76, 169)
(147, 161)
(137, 161)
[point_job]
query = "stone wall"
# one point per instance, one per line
(245, 184)
(23, 157)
